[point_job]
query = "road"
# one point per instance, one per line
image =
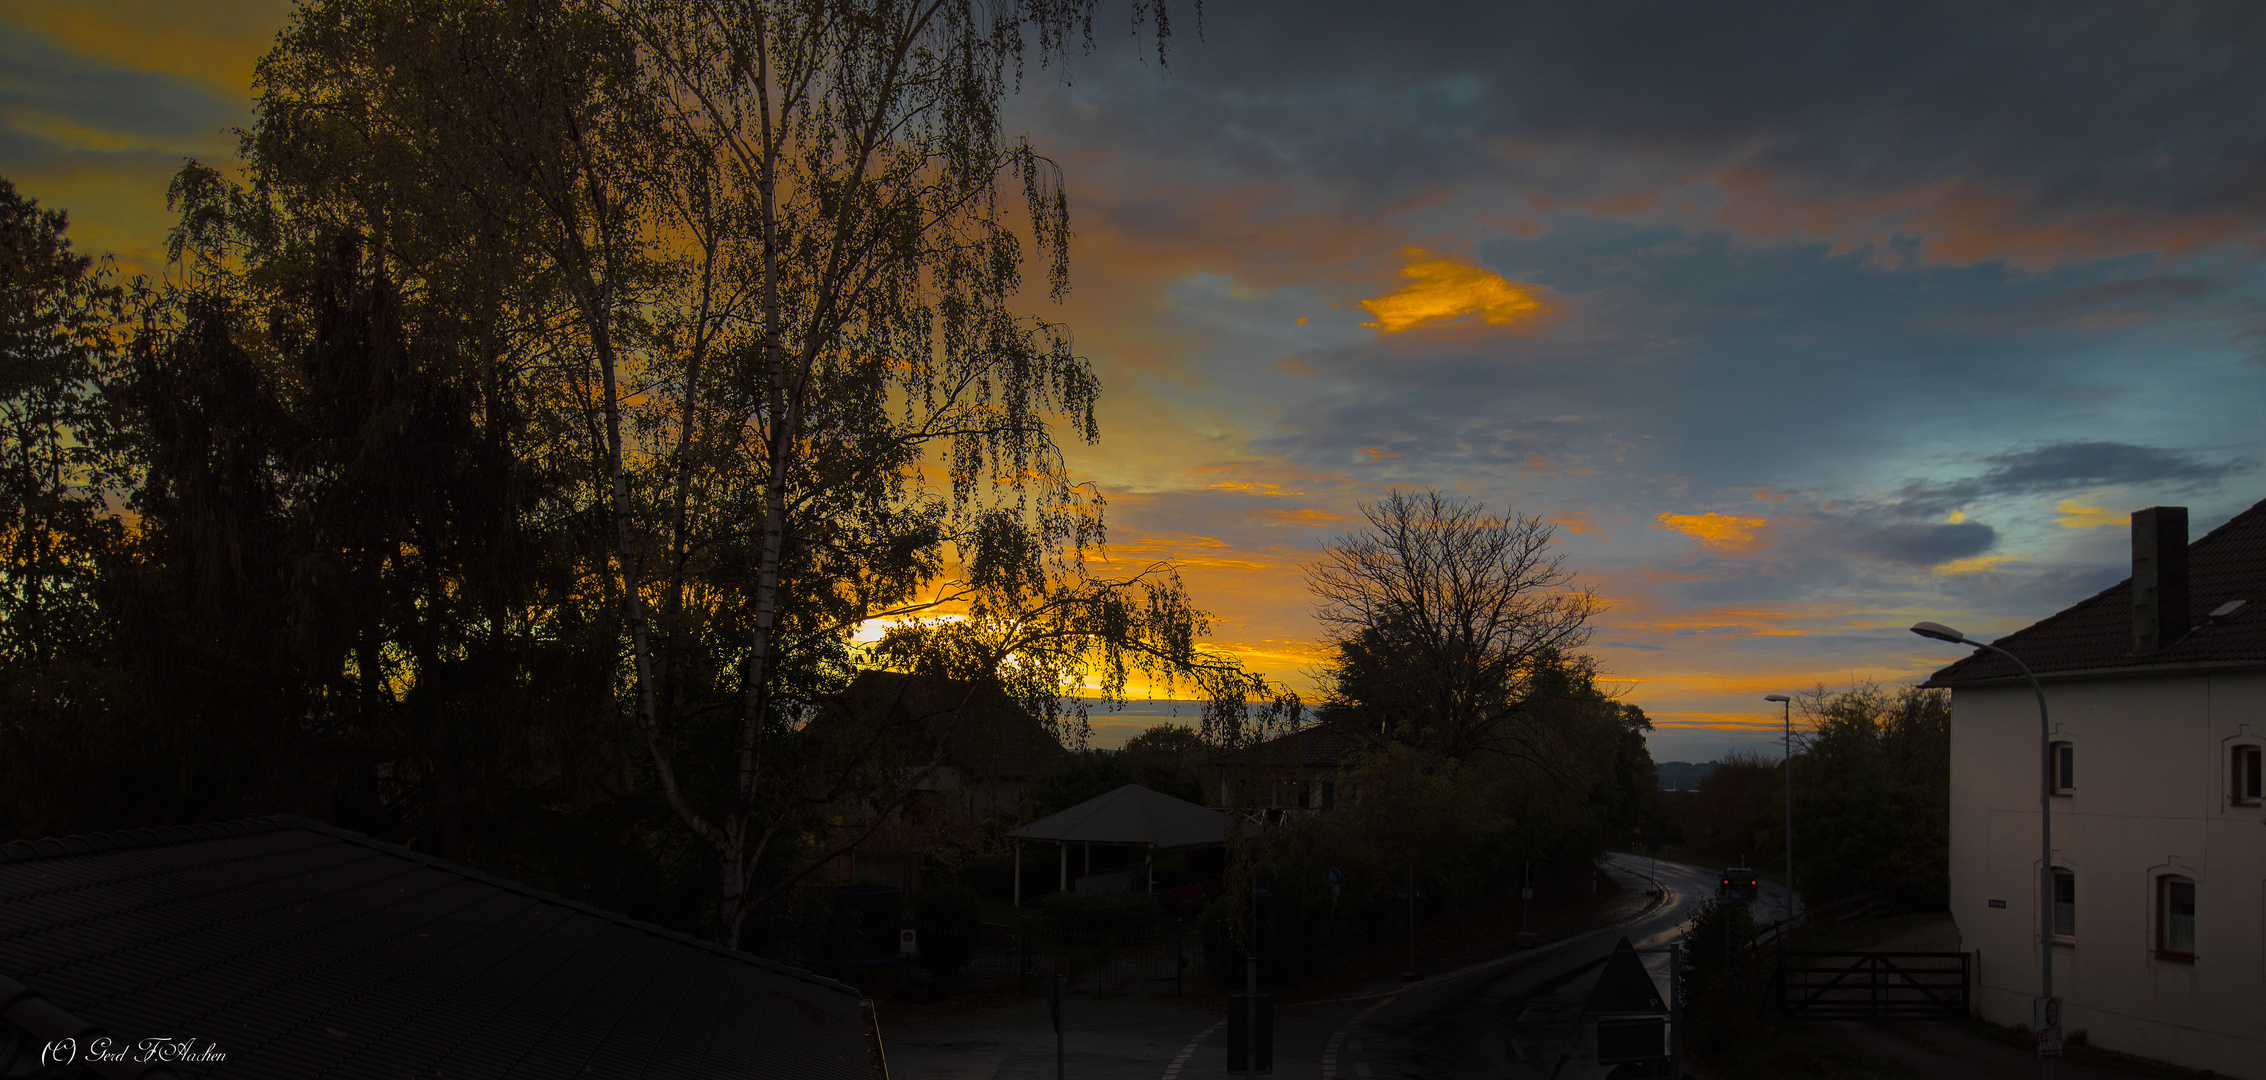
(1515, 1017)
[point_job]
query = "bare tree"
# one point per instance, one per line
(1441, 616)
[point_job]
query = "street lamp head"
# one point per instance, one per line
(1938, 631)
(1776, 697)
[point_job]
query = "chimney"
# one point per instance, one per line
(2159, 577)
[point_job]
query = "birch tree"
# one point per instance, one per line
(765, 261)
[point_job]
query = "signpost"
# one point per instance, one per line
(1055, 988)
(1634, 1026)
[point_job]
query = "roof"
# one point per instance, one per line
(1132, 815)
(300, 950)
(1318, 746)
(2094, 637)
(989, 734)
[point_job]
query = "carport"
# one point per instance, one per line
(1131, 816)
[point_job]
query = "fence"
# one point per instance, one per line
(1833, 916)
(1873, 985)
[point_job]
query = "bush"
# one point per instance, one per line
(1097, 918)
(1725, 979)
(949, 922)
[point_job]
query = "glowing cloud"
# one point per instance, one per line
(1977, 565)
(1576, 521)
(1441, 291)
(2074, 516)
(1728, 534)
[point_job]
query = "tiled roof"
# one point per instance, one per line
(2095, 636)
(299, 950)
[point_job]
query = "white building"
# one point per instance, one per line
(2157, 695)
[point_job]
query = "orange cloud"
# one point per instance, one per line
(1302, 517)
(1727, 534)
(1765, 495)
(1377, 453)
(1441, 291)
(2075, 516)
(1576, 521)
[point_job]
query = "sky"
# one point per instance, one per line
(1800, 322)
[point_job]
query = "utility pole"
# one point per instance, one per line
(1787, 713)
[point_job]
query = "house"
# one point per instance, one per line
(279, 948)
(1289, 774)
(967, 752)
(2156, 692)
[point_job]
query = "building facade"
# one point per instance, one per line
(2156, 692)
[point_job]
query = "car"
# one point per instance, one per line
(1740, 883)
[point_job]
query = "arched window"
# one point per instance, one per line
(2175, 918)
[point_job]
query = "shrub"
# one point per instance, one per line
(1725, 979)
(949, 922)
(1099, 918)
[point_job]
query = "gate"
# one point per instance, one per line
(1873, 985)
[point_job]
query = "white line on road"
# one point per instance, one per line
(1172, 1071)
(1337, 1039)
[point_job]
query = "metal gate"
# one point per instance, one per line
(1873, 985)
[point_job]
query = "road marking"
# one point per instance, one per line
(1172, 1071)
(1337, 1039)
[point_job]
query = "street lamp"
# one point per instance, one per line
(1788, 710)
(1940, 632)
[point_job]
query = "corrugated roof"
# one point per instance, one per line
(300, 950)
(2095, 635)
(1132, 815)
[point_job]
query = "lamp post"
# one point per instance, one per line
(1788, 712)
(1940, 632)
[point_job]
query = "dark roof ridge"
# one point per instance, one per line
(1956, 672)
(81, 843)
(25, 850)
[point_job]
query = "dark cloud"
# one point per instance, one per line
(2147, 290)
(1926, 545)
(2069, 466)
(2027, 131)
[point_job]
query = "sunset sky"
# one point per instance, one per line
(1801, 321)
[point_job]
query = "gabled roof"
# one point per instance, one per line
(1317, 746)
(1133, 815)
(2094, 637)
(300, 950)
(986, 733)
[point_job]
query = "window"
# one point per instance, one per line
(2065, 903)
(2175, 918)
(2249, 777)
(2064, 758)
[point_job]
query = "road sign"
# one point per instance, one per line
(907, 943)
(1334, 876)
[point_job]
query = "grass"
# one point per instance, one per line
(1797, 1052)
